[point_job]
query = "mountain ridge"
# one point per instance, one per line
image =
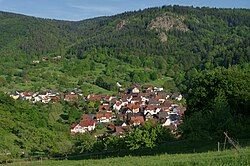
(215, 37)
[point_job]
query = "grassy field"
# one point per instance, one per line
(159, 82)
(229, 157)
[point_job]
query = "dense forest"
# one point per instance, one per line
(203, 53)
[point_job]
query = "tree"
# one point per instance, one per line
(216, 100)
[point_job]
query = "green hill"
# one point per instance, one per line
(166, 41)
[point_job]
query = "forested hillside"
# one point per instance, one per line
(164, 41)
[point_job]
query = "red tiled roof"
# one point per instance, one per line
(151, 107)
(27, 94)
(133, 106)
(86, 117)
(99, 115)
(137, 119)
(55, 98)
(167, 103)
(71, 97)
(104, 107)
(86, 123)
(119, 129)
(137, 98)
(94, 97)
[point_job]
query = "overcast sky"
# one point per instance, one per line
(82, 9)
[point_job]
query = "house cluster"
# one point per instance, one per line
(44, 59)
(46, 96)
(127, 110)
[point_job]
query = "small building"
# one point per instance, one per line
(152, 109)
(103, 117)
(117, 106)
(71, 97)
(84, 126)
(135, 108)
(136, 120)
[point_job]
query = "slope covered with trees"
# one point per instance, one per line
(166, 41)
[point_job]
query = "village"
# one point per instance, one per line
(119, 113)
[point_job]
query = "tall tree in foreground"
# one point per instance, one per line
(218, 100)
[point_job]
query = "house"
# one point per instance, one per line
(158, 89)
(179, 98)
(15, 95)
(105, 107)
(35, 62)
(176, 96)
(148, 88)
(46, 99)
(94, 97)
(167, 123)
(26, 95)
(135, 108)
(55, 99)
(152, 109)
(117, 106)
(148, 116)
(45, 59)
(57, 58)
(135, 99)
(119, 131)
(86, 116)
(36, 99)
(111, 127)
(104, 117)
(162, 116)
(161, 97)
(71, 97)
(166, 106)
(136, 120)
(108, 98)
(124, 124)
(124, 101)
(83, 126)
(153, 101)
(135, 90)
(172, 119)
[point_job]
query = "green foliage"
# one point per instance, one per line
(84, 143)
(147, 136)
(27, 129)
(218, 101)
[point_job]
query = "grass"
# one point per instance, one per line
(159, 82)
(228, 157)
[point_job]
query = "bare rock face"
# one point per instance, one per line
(164, 23)
(163, 37)
(121, 24)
